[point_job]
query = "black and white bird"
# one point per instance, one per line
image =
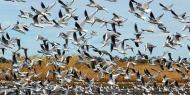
(183, 18)
(39, 21)
(2, 29)
(166, 8)
(22, 28)
(150, 47)
(24, 14)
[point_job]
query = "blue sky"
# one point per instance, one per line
(9, 15)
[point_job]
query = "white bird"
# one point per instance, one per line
(168, 45)
(150, 47)
(25, 15)
(2, 30)
(186, 27)
(89, 18)
(107, 36)
(20, 28)
(144, 7)
(93, 4)
(181, 18)
(166, 8)
(112, 79)
(42, 38)
(139, 15)
(37, 21)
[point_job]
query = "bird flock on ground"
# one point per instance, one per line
(98, 59)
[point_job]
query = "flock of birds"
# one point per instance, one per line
(99, 60)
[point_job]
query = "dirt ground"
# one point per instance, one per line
(89, 73)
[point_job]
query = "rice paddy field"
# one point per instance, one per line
(84, 69)
(89, 73)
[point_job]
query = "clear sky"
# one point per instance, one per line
(9, 15)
